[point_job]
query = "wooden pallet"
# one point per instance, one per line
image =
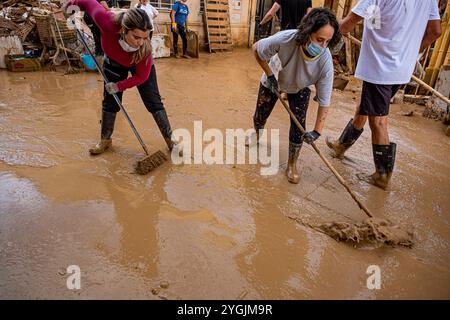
(217, 22)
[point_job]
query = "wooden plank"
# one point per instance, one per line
(218, 29)
(328, 3)
(348, 54)
(222, 46)
(219, 32)
(225, 20)
(220, 35)
(219, 43)
(217, 21)
(347, 7)
(219, 7)
(223, 38)
(412, 98)
(205, 23)
(218, 15)
(221, 23)
(222, 2)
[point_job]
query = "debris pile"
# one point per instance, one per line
(41, 29)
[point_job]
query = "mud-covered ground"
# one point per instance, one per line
(209, 231)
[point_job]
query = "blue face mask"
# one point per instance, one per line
(314, 49)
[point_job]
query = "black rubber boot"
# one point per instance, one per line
(163, 123)
(107, 122)
(185, 55)
(175, 52)
(384, 158)
(345, 141)
(291, 170)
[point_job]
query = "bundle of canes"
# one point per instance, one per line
(374, 230)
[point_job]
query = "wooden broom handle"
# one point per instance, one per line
(423, 84)
(329, 165)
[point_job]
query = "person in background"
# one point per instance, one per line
(292, 12)
(151, 10)
(179, 17)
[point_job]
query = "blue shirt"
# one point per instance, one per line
(181, 12)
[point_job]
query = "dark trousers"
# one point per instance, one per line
(181, 30)
(298, 103)
(148, 90)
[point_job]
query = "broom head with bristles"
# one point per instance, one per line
(371, 230)
(150, 162)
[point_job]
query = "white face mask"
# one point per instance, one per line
(126, 47)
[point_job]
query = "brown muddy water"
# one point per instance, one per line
(209, 231)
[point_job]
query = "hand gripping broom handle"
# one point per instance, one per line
(119, 103)
(423, 84)
(329, 165)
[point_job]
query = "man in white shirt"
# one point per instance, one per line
(147, 7)
(395, 31)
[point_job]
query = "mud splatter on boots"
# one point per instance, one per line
(345, 141)
(107, 128)
(163, 123)
(291, 170)
(384, 158)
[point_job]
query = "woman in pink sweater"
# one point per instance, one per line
(125, 39)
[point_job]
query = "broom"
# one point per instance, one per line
(371, 230)
(151, 161)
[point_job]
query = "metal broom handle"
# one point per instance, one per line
(136, 133)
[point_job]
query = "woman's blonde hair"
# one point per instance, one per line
(135, 18)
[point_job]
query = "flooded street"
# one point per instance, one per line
(210, 231)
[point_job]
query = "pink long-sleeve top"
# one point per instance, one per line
(110, 35)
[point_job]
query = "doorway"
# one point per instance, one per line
(262, 7)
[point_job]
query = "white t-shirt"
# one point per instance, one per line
(293, 69)
(151, 10)
(393, 32)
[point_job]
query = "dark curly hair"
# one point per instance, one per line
(316, 19)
